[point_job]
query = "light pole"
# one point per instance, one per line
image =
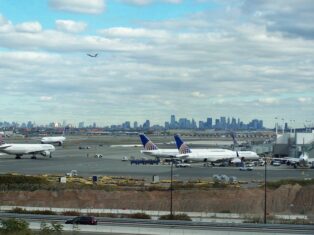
(276, 126)
(171, 188)
(265, 194)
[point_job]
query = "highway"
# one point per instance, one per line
(70, 157)
(135, 226)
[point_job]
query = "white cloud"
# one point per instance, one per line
(134, 32)
(5, 25)
(197, 94)
(80, 6)
(268, 100)
(70, 26)
(305, 100)
(147, 2)
(29, 27)
(45, 98)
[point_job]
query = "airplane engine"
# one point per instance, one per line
(303, 163)
(46, 153)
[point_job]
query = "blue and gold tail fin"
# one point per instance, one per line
(1, 140)
(182, 147)
(147, 143)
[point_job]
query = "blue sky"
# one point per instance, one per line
(191, 58)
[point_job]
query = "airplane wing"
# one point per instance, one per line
(182, 155)
(310, 160)
(292, 159)
(5, 146)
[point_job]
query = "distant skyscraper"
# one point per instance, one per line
(173, 121)
(201, 125)
(146, 125)
(135, 125)
(81, 125)
(217, 124)
(223, 122)
(209, 123)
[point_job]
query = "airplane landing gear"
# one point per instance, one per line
(33, 157)
(18, 157)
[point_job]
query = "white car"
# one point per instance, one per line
(276, 163)
(183, 164)
(251, 164)
(244, 168)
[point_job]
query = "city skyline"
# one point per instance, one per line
(191, 58)
(173, 122)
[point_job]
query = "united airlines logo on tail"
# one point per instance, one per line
(1, 140)
(184, 149)
(150, 146)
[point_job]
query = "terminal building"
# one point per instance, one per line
(293, 144)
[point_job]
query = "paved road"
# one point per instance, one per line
(134, 226)
(69, 157)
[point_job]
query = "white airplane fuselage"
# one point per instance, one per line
(53, 140)
(214, 155)
(21, 149)
(208, 155)
(248, 155)
(161, 153)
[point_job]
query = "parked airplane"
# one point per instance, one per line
(302, 161)
(151, 149)
(202, 155)
(211, 155)
(21, 149)
(54, 139)
(242, 155)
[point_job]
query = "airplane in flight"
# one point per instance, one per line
(92, 55)
(212, 155)
(22, 149)
(54, 139)
(151, 149)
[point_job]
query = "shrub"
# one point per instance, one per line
(16, 226)
(19, 210)
(139, 216)
(22, 179)
(71, 213)
(181, 216)
(277, 184)
(53, 229)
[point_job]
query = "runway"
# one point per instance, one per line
(70, 157)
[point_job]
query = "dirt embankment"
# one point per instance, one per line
(287, 198)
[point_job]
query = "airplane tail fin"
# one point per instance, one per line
(233, 135)
(182, 147)
(147, 143)
(65, 130)
(1, 140)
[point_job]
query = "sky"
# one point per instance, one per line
(192, 58)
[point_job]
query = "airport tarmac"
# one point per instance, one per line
(70, 157)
